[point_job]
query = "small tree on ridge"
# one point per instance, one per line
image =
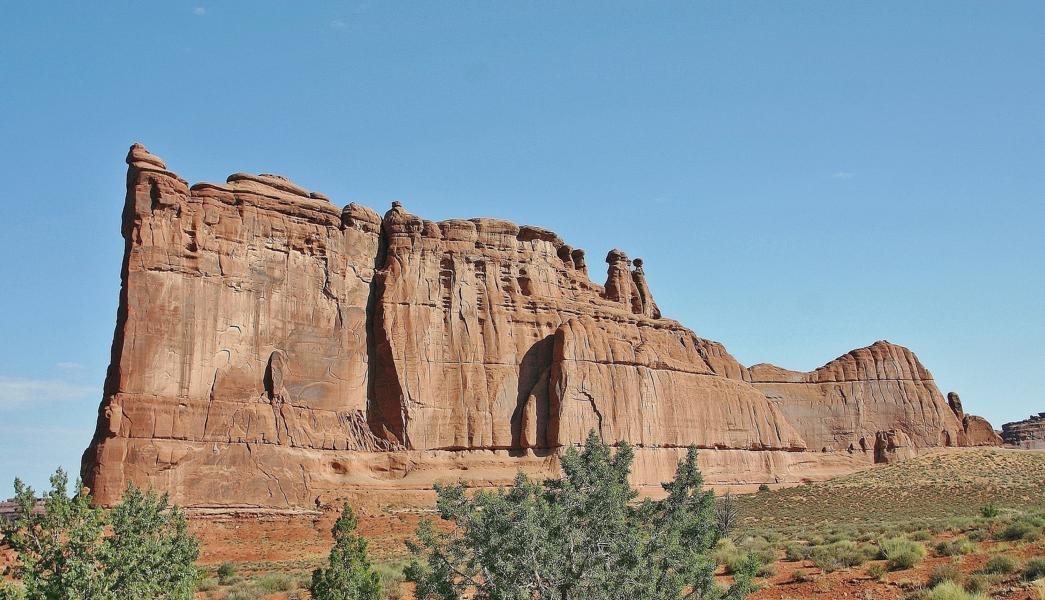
(349, 576)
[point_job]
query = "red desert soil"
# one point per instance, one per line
(936, 488)
(855, 582)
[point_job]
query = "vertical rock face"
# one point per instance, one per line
(242, 323)
(271, 348)
(648, 383)
(1028, 433)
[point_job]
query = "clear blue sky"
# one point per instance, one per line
(802, 178)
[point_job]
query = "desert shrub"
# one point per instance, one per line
(226, 571)
(999, 564)
(799, 576)
(763, 487)
(905, 558)
(275, 582)
(71, 549)
(960, 524)
(978, 584)
(1019, 529)
(576, 536)
(912, 526)
(773, 537)
(942, 573)
(989, 510)
(244, 592)
(724, 549)
(815, 540)
(207, 584)
(825, 561)
(831, 557)
(949, 590)
(392, 579)
(760, 548)
(1034, 569)
(890, 531)
(796, 552)
(978, 535)
(866, 536)
(841, 535)
(921, 535)
(876, 571)
(736, 560)
(765, 570)
(901, 553)
(955, 547)
(869, 551)
(349, 573)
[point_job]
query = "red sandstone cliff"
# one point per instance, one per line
(271, 349)
(1028, 433)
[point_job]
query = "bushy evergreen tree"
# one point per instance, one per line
(58, 546)
(64, 553)
(349, 576)
(11, 591)
(150, 553)
(580, 536)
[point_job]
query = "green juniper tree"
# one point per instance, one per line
(150, 553)
(59, 545)
(11, 591)
(581, 536)
(64, 552)
(349, 575)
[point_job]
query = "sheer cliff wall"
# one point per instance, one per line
(272, 350)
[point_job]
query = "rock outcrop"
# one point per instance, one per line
(845, 404)
(892, 446)
(272, 349)
(1028, 433)
(977, 431)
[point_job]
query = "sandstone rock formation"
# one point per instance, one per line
(1028, 433)
(978, 432)
(272, 349)
(892, 446)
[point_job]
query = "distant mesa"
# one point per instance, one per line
(274, 350)
(1028, 433)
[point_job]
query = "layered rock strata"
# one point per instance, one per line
(1028, 433)
(272, 349)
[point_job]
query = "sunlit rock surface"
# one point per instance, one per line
(272, 349)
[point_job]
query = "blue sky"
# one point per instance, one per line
(801, 178)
